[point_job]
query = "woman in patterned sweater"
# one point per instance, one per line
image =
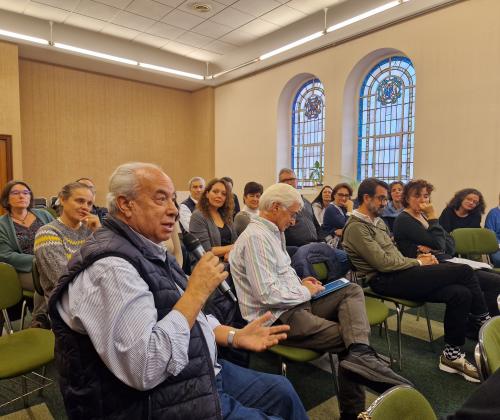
(56, 242)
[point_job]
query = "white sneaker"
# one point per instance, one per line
(460, 366)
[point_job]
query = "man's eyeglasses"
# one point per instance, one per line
(15, 193)
(343, 195)
(382, 198)
(292, 214)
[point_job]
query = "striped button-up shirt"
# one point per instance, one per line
(111, 303)
(262, 274)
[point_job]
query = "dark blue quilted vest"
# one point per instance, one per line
(89, 389)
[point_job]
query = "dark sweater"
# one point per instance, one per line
(410, 233)
(450, 221)
(306, 228)
(335, 217)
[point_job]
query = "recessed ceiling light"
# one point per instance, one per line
(201, 7)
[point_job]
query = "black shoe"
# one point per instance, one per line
(41, 321)
(363, 365)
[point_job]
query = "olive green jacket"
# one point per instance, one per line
(371, 250)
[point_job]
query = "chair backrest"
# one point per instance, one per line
(474, 241)
(10, 287)
(36, 278)
(40, 202)
(401, 403)
(489, 345)
(321, 271)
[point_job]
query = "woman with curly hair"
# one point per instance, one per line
(418, 231)
(464, 210)
(321, 202)
(212, 221)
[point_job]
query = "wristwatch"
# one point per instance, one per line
(230, 338)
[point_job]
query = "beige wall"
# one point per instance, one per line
(77, 123)
(10, 119)
(457, 61)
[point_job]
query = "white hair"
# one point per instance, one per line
(196, 178)
(281, 193)
(124, 182)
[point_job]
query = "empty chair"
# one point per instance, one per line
(488, 348)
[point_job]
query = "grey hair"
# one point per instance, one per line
(280, 193)
(196, 178)
(124, 182)
(285, 171)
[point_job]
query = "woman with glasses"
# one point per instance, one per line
(212, 221)
(337, 213)
(321, 202)
(463, 211)
(17, 235)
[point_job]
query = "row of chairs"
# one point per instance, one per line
(42, 202)
(27, 350)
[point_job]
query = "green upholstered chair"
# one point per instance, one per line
(488, 348)
(474, 242)
(22, 352)
(399, 403)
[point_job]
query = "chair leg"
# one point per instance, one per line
(429, 327)
(399, 317)
(283, 367)
(23, 314)
(386, 328)
(8, 324)
(44, 372)
(334, 374)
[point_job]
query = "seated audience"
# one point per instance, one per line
(212, 221)
(251, 196)
(306, 229)
(463, 211)
(417, 231)
(337, 213)
(17, 235)
(394, 206)
(321, 202)
(188, 206)
(131, 338)
(493, 223)
(337, 322)
(236, 209)
(100, 212)
(57, 241)
(374, 255)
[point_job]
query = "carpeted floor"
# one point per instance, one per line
(313, 382)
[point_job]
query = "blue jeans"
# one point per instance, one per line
(247, 395)
(495, 259)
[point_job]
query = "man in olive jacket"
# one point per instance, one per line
(367, 242)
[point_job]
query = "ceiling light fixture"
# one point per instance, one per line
(365, 15)
(201, 7)
(172, 71)
(15, 35)
(95, 54)
(291, 45)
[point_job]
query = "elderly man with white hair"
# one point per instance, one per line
(131, 338)
(336, 322)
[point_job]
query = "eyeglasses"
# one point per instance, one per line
(382, 198)
(343, 195)
(292, 214)
(17, 192)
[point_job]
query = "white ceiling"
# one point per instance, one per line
(172, 33)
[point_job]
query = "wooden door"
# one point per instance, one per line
(5, 161)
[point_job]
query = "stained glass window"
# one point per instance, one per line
(386, 130)
(308, 133)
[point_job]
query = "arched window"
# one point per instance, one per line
(386, 130)
(308, 133)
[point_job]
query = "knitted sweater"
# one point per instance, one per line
(55, 244)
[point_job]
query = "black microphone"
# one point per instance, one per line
(193, 245)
